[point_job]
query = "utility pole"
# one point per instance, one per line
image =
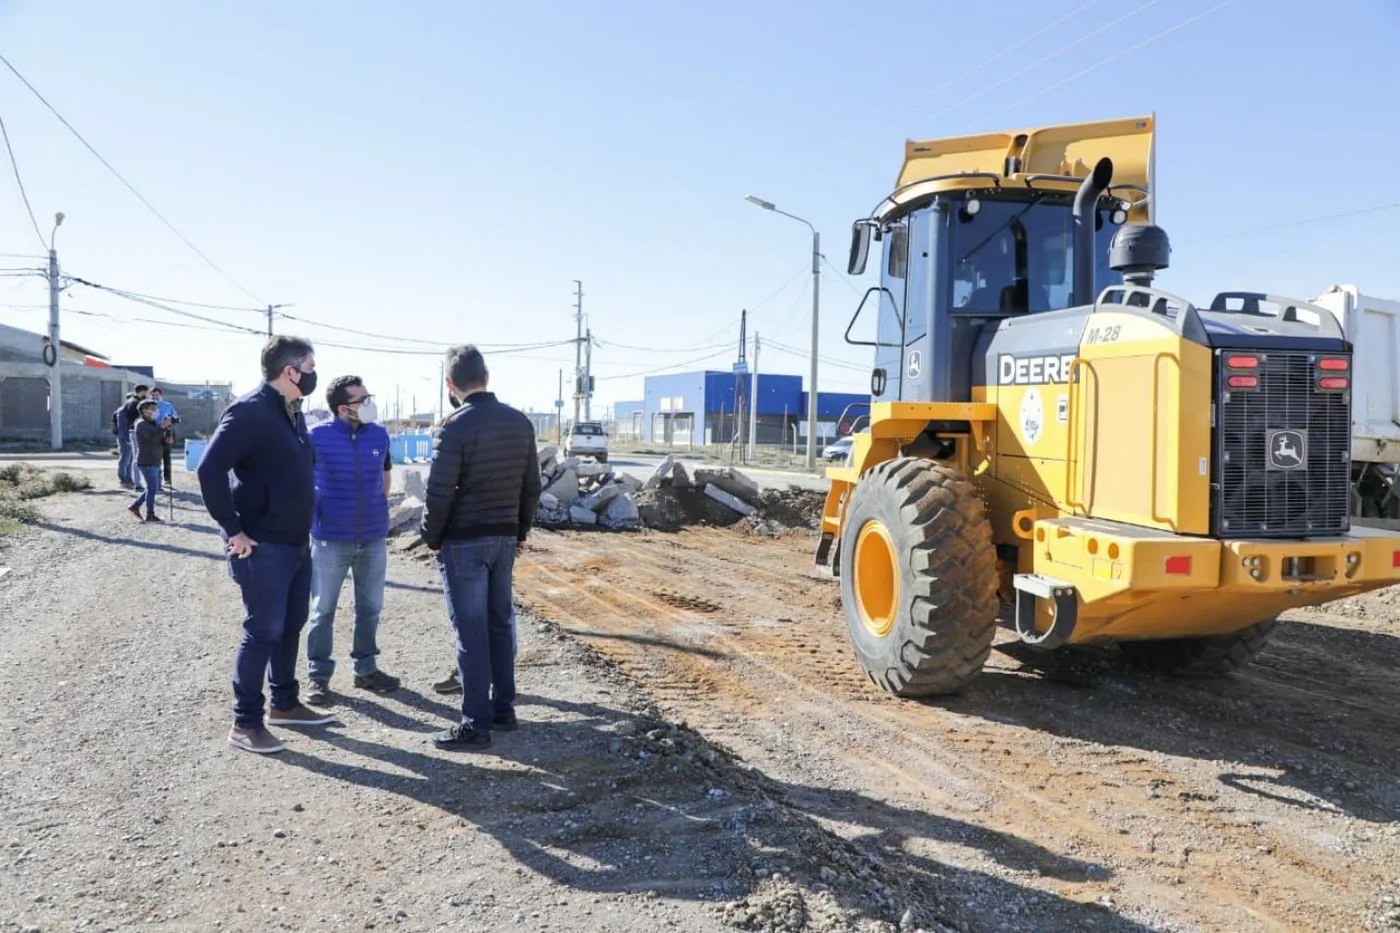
(588, 376)
(812, 385)
(753, 400)
(55, 351)
(559, 411)
(578, 347)
(269, 320)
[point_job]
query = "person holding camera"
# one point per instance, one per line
(166, 419)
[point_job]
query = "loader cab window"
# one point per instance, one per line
(1011, 257)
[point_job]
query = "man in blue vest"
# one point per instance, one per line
(350, 534)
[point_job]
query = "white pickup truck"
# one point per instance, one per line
(1372, 327)
(587, 439)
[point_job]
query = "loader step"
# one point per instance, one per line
(1032, 587)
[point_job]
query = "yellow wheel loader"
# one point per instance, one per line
(1049, 429)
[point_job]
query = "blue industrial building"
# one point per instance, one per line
(699, 408)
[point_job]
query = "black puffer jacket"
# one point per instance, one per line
(485, 477)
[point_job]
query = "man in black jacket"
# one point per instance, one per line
(256, 479)
(482, 492)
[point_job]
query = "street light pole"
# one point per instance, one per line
(816, 310)
(55, 344)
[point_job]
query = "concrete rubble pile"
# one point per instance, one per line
(583, 492)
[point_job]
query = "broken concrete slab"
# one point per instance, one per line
(600, 499)
(415, 484)
(592, 469)
(549, 502)
(621, 512)
(547, 453)
(564, 488)
(726, 499)
(629, 483)
(406, 517)
(731, 481)
(662, 473)
(581, 516)
(679, 478)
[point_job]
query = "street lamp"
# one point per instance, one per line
(816, 305)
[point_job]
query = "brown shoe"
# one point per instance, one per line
(299, 715)
(259, 741)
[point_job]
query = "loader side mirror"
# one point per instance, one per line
(860, 247)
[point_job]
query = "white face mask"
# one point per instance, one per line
(369, 412)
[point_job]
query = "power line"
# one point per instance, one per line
(961, 76)
(1293, 223)
(129, 187)
(192, 304)
(669, 367)
(131, 296)
(623, 346)
(24, 195)
(1112, 58)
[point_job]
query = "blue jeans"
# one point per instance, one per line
(151, 477)
(330, 562)
(476, 579)
(124, 459)
(275, 581)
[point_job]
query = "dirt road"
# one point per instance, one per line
(1080, 794)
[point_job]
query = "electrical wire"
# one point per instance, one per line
(131, 296)
(961, 76)
(623, 346)
(1253, 231)
(1190, 20)
(24, 195)
(129, 187)
(668, 368)
(191, 304)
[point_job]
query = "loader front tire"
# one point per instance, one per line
(918, 578)
(1202, 657)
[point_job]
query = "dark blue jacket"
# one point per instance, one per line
(350, 467)
(256, 474)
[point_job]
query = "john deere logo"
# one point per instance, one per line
(1288, 450)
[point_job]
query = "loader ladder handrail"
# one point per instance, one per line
(1152, 474)
(1071, 459)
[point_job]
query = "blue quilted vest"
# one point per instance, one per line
(350, 500)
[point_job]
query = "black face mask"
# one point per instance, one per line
(456, 402)
(307, 385)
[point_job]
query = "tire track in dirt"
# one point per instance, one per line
(747, 677)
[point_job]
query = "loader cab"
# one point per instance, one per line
(957, 264)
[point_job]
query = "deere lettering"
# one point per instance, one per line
(1033, 370)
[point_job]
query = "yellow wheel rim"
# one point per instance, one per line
(876, 580)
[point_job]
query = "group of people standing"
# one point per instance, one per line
(300, 509)
(145, 429)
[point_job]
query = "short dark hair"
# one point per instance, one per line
(141, 387)
(465, 367)
(338, 392)
(283, 350)
(158, 389)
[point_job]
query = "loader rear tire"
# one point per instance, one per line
(1202, 657)
(918, 578)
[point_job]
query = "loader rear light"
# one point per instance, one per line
(1180, 566)
(1243, 382)
(1395, 560)
(1332, 383)
(1242, 362)
(1334, 364)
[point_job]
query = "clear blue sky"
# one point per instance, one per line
(444, 170)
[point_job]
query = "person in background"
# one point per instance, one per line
(127, 416)
(257, 480)
(147, 438)
(482, 492)
(166, 419)
(350, 534)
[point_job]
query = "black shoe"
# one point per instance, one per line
(135, 510)
(154, 518)
(378, 682)
(319, 693)
(462, 739)
(506, 723)
(451, 685)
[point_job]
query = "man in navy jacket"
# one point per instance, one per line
(256, 479)
(349, 534)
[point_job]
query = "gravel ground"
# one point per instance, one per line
(125, 809)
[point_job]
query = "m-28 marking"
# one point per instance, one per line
(1034, 370)
(1107, 334)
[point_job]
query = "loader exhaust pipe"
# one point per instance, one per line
(1085, 220)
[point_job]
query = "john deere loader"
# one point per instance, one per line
(1051, 430)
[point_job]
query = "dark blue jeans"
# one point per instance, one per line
(150, 476)
(275, 581)
(476, 579)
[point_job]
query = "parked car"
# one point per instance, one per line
(837, 451)
(587, 439)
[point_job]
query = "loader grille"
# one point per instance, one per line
(1283, 450)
